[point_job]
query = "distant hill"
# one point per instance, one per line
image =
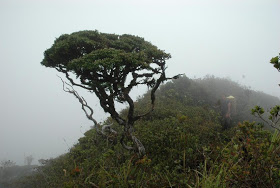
(208, 91)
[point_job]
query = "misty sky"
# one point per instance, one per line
(226, 38)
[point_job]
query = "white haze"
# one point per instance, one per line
(226, 38)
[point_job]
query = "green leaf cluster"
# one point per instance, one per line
(275, 62)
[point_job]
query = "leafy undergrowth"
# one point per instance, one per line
(185, 147)
(174, 145)
(175, 158)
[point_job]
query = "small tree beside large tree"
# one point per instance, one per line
(274, 113)
(111, 66)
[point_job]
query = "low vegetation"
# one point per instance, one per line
(185, 144)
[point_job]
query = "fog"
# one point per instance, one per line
(233, 38)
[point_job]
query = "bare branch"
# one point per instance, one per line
(87, 108)
(271, 123)
(60, 69)
(108, 128)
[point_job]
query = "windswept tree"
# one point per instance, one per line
(110, 66)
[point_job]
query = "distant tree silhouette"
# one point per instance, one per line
(28, 160)
(7, 163)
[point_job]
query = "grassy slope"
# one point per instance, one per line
(181, 135)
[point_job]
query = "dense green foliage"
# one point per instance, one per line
(185, 145)
(253, 157)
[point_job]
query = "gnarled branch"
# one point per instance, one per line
(105, 128)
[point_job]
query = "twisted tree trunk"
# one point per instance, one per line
(138, 146)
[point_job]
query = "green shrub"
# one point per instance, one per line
(253, 157)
